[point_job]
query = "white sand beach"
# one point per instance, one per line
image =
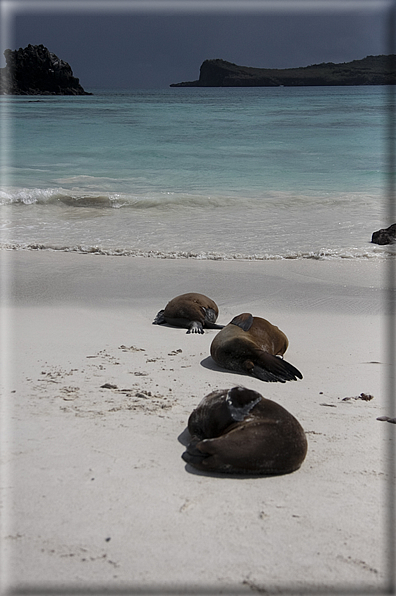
(95, 494)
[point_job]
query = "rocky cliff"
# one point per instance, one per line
(34, 70)
(372, 70)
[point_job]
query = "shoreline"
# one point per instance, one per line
(370, 252)
(96, 492)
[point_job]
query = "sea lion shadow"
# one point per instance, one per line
(165, 325)
(184, 438)
(169, 326)
(209, 363)
(191, 470)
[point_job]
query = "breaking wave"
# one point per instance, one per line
(111, 200)
(323, 254)
(145, 199)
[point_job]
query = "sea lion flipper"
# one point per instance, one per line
(244, 321)
(294, 370)
(193, 455)
(159, 319)
(203, 454)
(209, 314)
(210, 317)
(272, 368)
(240, 401)
(195, 327)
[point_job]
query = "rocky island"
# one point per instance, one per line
(35, 70)
(372, 70)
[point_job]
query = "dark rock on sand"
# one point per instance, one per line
(385, 235)
(35, 70)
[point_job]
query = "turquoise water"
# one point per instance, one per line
(211, 173)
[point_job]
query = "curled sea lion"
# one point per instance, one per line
(253, 346)
(237, 431)
(194, 311)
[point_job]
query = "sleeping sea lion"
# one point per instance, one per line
(194, 311)
(252, 345)
(237, 431)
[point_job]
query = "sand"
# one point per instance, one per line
(95, 495)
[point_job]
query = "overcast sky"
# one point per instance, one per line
(147, 44)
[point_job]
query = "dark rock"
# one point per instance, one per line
(372, 70)
(35, 70)
(385, 235)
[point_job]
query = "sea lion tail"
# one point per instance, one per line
(275, 369)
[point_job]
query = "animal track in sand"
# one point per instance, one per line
(79, 552)
(54, 374)
(186, 505)
(362, 396)
(69, 393)
(104, 355)
(359, 563)
(131, 349)
(92, 394)
(142, 400)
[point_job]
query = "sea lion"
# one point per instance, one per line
(237, 431)
(194, 311)
(253, 345)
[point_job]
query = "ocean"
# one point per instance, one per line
(206, 173)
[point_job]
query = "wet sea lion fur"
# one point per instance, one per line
(237, 431)
(253, 346)
(192, 311)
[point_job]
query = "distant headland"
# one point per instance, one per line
(372, 70)
(35, 70)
